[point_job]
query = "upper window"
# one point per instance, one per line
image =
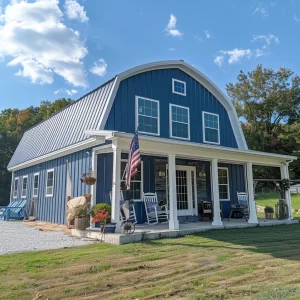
(15, 195)
(35, 184)
(178, 87)
(50, 183)
(211, 130)
(179, 122)
(136, 183)
(147, 115)
(223, 184)
(24, 186)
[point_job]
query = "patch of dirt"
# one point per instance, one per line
(46, 226)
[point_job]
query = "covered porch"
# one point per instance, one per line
(186, 157)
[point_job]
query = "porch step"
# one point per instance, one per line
(188, 219)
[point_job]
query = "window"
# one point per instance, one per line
(35, 184)
(179, 122)
(178, 87)
(211, 130)
(24, 186)
(15, 194)
(50, 183)
(223, 184)
(136, 184)
(147, 115)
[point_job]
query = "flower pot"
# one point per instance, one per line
(90, 180)
(82, 223)
(269, 215)
(110, 228)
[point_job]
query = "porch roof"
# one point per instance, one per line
(162, 147)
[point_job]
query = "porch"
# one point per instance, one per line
(182, 156)
(150, 232)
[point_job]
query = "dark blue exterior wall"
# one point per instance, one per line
(157, 85)
(53, 209)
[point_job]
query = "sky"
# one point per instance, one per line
(51, 49)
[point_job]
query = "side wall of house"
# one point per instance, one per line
(157, 85)
(53, 209)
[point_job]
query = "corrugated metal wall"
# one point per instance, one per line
(53, 209)
(158, 85)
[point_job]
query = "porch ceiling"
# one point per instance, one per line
(163, 147)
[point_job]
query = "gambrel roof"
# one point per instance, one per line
(67, 127)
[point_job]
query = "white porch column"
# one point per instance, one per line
(115, 197)
(252, 207)
(284, 170)
(216, 200)
(94, 187)
(173, 221)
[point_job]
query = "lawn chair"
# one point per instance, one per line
(154, 212)
(15, 210)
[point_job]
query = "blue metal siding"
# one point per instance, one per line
(157, 85)
(53, 209)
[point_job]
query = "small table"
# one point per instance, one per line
(237, 208)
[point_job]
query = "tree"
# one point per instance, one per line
(268, 104)
(13, 124)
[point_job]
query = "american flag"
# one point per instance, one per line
(134, 160)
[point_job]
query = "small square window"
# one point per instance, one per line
(178, 87)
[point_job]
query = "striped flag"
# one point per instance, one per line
(134, 160)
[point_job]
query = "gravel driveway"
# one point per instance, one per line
(17, 237)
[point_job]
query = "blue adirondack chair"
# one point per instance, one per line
(16, 210)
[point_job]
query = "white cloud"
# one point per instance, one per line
(207, 34)
(267, 38)
(99, 68)
(75, 11)
(296, 19)
(171, 49)
(171, 27)
(34, 37)
(219, 60)
(260, 9)
(69, 92)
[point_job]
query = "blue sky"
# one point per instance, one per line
(51, 48)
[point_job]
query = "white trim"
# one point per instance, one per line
(16, 179)
(173, 90)
(198, 76)
(59, 153)
(228, 187)
(203, 128)
(36, 174)
(137, 115)
(170, 122)
(23, 177)
(48, 171)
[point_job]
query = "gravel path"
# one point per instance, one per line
(17, 237)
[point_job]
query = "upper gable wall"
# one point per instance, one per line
(157, 85)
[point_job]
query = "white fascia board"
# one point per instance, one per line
(56, 154)
(197, 75)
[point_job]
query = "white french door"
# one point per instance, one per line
(186, 189)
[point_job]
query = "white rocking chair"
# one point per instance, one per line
(154, 212)
(243, 202)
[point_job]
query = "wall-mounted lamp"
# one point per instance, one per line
(201, 174)
(87, 152)
(161, 174)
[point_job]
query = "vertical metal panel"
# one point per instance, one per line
(158, 85)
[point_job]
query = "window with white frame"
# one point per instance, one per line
(223, 183)
(24, 186)
(178, 87)
(179, 122)
(50, 183)
(211, 128)
(16, 182)
(147, 115)
(136, 184)
(35, 184)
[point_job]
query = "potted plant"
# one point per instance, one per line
(82, 217)
(88, 177)
(269, 211)
(281, 207)
(101, 213)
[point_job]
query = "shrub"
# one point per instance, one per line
(82, 211)
(269, 209)
(100, 206)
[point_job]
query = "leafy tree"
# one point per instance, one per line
(13, 124)
(268, 104)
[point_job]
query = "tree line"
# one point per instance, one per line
(267, 102)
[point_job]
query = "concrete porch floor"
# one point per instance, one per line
(148, 232)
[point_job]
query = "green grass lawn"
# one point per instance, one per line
(269, 199)
(250, 263)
